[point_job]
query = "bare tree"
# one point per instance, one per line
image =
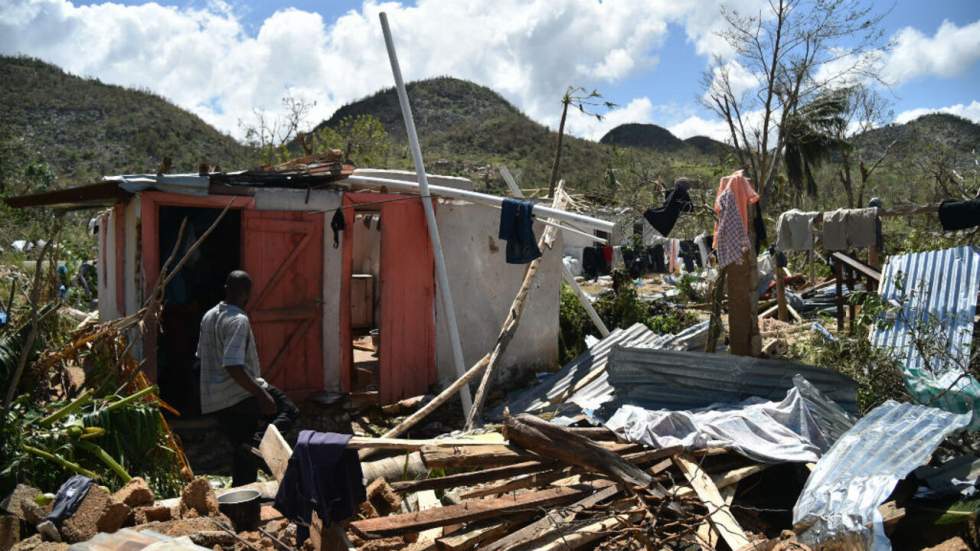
(784, 56)
(586, 102)
(271, 134)
(867, 110)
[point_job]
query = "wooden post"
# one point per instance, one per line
(509, 328)
(743, 299)
(851, 307)
(781, 310)
(839, 298)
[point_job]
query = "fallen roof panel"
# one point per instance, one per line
(667, 379)
(91, 195)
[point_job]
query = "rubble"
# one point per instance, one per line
(135, 493)
(199, 497)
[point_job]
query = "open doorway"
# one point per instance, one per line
(194, 290)
(365, 300)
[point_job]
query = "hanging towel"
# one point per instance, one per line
(322, 475)
(845, 229)
(663, 218)
(794, 230)
(517, 229)
(732, 238)
(959, 215)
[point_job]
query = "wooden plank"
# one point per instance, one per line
(362, 442)
(590, 533)
(530, 481)
(469, 479)
(471, 538)
(275, 451)
(467, 511)
(707, 492)
(474, 456)
(537, 529)
(707, 534)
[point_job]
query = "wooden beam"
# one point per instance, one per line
(539, 528)
(783, 313)
(469, 479)
(467, 511)
(471, 456)
(553, 441)
(708, 493)
(590, 533)
(362, 442)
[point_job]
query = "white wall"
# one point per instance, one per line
(483, 287)
(326, 201)
(108, 309)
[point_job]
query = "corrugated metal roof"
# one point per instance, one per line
(667, 379)
(559, 387)
(860, 470)
(935, 285)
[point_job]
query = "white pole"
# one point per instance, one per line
(515, 190)
(540, 211)
(442, 279)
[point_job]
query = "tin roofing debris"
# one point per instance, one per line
(842, 495)
(667, 379)
(936, 293)
(582, 381)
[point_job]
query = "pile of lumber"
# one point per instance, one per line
(551, 487)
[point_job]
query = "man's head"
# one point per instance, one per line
(238, 286)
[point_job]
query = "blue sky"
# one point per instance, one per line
(224, 60)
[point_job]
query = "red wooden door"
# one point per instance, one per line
(283, 252)
(407, 365)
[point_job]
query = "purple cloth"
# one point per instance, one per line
(322, 476)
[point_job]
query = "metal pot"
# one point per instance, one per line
(242, 508)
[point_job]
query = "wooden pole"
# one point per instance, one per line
(839, 297)
(782, 312)
(442, 277)
(509, 328)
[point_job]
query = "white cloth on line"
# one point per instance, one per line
(795, 230)
(845, 229)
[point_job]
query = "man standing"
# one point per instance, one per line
(231, 387)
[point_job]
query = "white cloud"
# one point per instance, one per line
(639, 110)
(971, 112)
(207, 60)
(950, 52)
(698, 126)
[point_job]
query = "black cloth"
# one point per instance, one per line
(338, 224)
(690, 254)
(760, 229)
(517, 229)
(657, 263)
(323, 476)
(591, 262)
(239, 424)
(959, 215)
(664, 217)
(68, 498)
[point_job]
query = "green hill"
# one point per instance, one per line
(643, 135)
(85, 128)
(467, 129)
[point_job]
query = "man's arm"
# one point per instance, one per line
(267, 406)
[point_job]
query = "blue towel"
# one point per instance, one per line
(322, 475)
(517, 229)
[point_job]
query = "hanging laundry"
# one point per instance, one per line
(657, 263)
(663, 218)
(690, 255)
(845, 229)
(743, 195)
(517, 229)
(322, 475)
(703, 241)
(794, 230)
(337, 224)
(732, 238)
(959, 215)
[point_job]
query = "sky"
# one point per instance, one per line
(225, 60)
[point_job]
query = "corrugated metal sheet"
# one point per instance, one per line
(559, 387)
(855, 476)
(938, 285)
(666, 379)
